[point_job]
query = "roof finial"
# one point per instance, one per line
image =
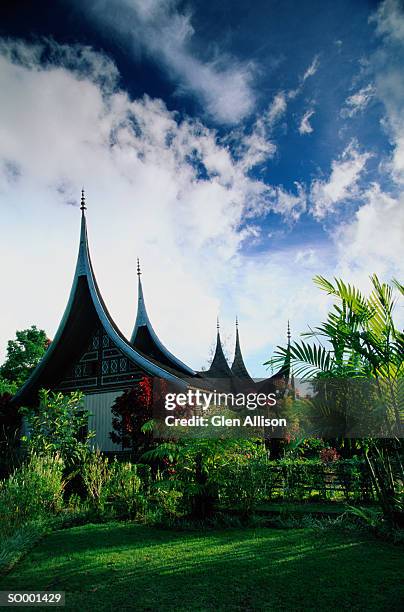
(218, 325)
(288, 334)
(138, 267)
(236, 322)
(83, 206)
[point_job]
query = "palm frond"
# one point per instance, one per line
(324, 284)
(398, 286)
(307, 360)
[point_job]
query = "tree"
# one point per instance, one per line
(363, 342)
(23, 354)
(131, 411)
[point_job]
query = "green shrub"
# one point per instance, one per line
(32, 492)
(96, 475)
(58, 425)
(244, 482)
(169, 503)
(127, 491)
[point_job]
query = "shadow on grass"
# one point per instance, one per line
(131, 567)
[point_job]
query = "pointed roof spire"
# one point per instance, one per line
(85, 304)
(219, 368)
(141, 318)
(285, 370)
(145, 339)
(83, 206)
(238, 367)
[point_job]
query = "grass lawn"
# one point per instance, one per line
(120, 566)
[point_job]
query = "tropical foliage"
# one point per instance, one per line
(23, 354)
(32, 492)
(360, 335)
(130, 412)
(359, 340)
(58, 425)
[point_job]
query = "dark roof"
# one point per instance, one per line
(84, 306)
(219, 368)
(146, 341)
(238, 367)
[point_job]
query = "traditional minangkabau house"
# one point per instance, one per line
(90, 354)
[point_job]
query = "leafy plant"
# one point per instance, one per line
(362, 341)
(96, 475)
(127, 490)
(168, 501)
(192, 467)
(58, 425)
(32, 492)
(329, 455)
(130, 412)
(244, 482)
(23, 354)
(370, 516)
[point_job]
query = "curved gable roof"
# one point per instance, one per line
(219, 368)
(145, 339)
(238, 367)
(85, 294)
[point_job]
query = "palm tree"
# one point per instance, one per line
(361, 342)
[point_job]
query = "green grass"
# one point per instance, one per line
(120, 566)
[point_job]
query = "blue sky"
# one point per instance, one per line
(237, 149)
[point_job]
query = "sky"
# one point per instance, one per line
(238, 149)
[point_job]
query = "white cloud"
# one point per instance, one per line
(387, 64)
(358, 101)
(312, 69)
(223, 84)
(163, 189)
(81, 60)
(342, 183)
(254, 147)
(389, 19)
(308, 257)
(276, 109)
(257, 146)
(373, 240)
(305, 127)
(289, 204)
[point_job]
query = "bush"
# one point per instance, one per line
(169, 502)
(31, 493)
(96, 474)
(127, 490)
(58, 425)
(245, 482)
